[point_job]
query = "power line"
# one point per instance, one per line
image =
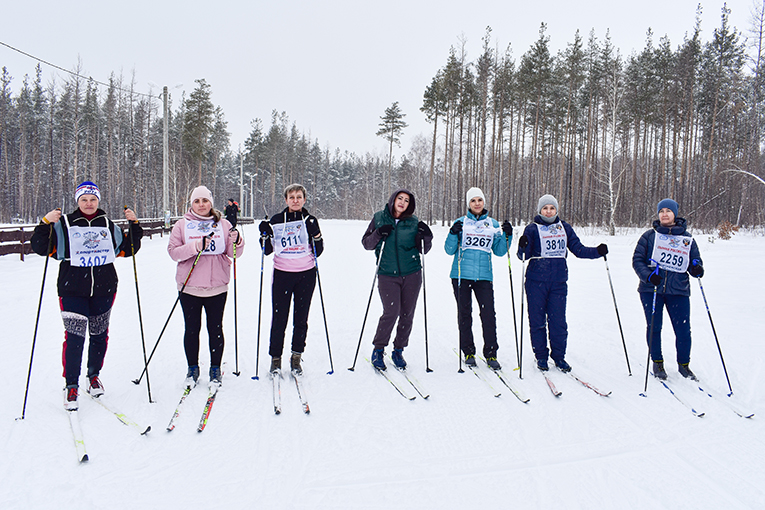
(72, 72)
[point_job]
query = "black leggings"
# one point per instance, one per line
(192, 315)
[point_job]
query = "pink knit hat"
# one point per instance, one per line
(201, 192)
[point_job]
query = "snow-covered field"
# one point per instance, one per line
(363, 446)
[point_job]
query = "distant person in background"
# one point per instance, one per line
(396, 230)
(546, 243)
(294, 237)
(472, 239)
(207, 286)
(87, 244)
(663, 259)
(232, 211)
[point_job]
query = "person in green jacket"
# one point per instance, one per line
(402, 238)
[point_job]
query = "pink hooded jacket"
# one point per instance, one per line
(213, 272)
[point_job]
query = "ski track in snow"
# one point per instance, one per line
(363, 446)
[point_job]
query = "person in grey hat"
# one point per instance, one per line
(545, 243)
(664, 257)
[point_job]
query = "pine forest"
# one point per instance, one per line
(607, 132)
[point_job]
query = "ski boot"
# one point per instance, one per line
(685, 371)
(562, 365)
(295, 363)
(95, 388)
(542, 365)
(70, 397)
(658, 370)
(493, 363)
(398, 358)
(377, 359)
(470, 360)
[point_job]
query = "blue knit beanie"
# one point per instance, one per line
(669, 204)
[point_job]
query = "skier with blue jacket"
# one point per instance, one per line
(472, 239)
(663, 259)
(545, 243)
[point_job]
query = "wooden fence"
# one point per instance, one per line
(15, 238)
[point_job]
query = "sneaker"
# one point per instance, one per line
(215, 375)
(398, 358)
(276, 364)
(295, 363)
(70, 397)
(470, 360)
(685, 371)
(95, 388)
(562, 365)
(658, 370)
(377, 359)
(542, 365)
(493, 364)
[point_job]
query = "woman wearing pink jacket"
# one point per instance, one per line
(202, 229)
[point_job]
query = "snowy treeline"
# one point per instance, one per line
(608, 134)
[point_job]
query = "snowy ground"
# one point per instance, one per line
(363, 446)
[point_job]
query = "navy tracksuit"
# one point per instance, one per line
(546, 290)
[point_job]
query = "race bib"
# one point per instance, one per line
(90, 246)
(672, 252)
(553, 240)
(197, 229)
(291, 239)
(478, 234)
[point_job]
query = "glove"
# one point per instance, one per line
(233, 234)
(456, 228)
(602, 250)
(507, 228)
(385, 230)
(696, 270)
(523, 241)
(312, 227)
(265, 229)
(203, 243)
(423, 231)
(654, 279)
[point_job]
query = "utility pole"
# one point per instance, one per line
(165, 159)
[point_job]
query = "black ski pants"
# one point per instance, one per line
(287, 287)
(484, 294)
(399, 299)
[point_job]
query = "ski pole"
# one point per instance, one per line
(323, 311)
(371, 293)
(37, 320)
(459, 308)
(618, 320)
(512, 302)
(523, 285)
(236, 321)
(183, 287)
(695, 262)
(260, 302)
(425, 312)
(140, 315)
(650, 330)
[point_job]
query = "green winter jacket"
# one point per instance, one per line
(400, 256)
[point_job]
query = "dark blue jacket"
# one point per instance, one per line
(551, 269)
(672, 283)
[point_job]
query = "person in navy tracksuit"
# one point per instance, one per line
(663, 259)
(545, 243)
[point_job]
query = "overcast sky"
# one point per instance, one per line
(332, 65)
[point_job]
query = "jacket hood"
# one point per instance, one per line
(409, 210)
